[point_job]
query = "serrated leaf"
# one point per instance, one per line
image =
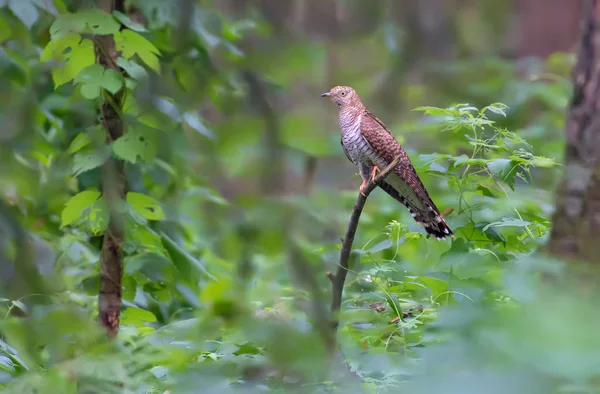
(73, 209)
(90, 158)
(145, 206)
(138, 144)
(130, 43)
(94, 78)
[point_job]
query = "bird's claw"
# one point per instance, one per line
(362, 188)
(374, 173)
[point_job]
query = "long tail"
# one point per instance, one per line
(431, 218)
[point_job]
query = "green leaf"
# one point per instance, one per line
(193, 120)
(508, 222)
(73, 209)
(130, 43)
(142, 237)
(25, 11)
(145, 206)
(5, 30)
(485, 191)
(137, 317)
(95, 78)
(139, 144)
(153, 266)
(93, 134)
(125, 20)
(134, 70)
(98, 217)
(7, 365)
(71, 54)
(188, 265)
(490, 232)
(90, 158)
(497, 108)
(505, 170)
(545, 162)
(91, 21)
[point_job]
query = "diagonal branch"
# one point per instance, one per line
(339, 278)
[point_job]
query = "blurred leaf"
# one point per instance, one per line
(98, 217)
(25, 10)
(89, 158)
(145, 206)
(74, 207)
(508, 222)
(125, 20)
(94, 78)
(188, 265)
(71, 53)
(139, 144)
(134, 70)
(129, 43)
(137, 317)
(92, 21)
(505, 170)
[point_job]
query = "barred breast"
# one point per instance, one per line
(356, 147)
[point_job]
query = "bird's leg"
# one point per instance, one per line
(364, 170)
(362, 187)
(374, 173)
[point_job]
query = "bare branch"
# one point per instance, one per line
(339, 278)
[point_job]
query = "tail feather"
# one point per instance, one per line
(430, 218)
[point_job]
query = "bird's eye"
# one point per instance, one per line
(342, 93)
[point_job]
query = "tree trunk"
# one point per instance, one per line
(114, 187)
(576, 222)
(548, 26)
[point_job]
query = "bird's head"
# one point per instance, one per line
(343, 96)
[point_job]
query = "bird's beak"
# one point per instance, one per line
(326, 94)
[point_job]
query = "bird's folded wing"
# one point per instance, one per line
(404, 176)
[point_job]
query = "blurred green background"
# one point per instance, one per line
(224, 285)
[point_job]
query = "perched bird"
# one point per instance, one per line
(370, 145)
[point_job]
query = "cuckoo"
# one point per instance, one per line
(370, 145)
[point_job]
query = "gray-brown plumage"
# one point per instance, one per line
(370, 145)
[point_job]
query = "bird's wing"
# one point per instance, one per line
(403, 183)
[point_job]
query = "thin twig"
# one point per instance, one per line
(339, 278)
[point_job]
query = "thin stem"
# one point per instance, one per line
(339, 278)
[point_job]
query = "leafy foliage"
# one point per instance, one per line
(222, 283)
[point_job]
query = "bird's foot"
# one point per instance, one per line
(362, 188)
(374, 173)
